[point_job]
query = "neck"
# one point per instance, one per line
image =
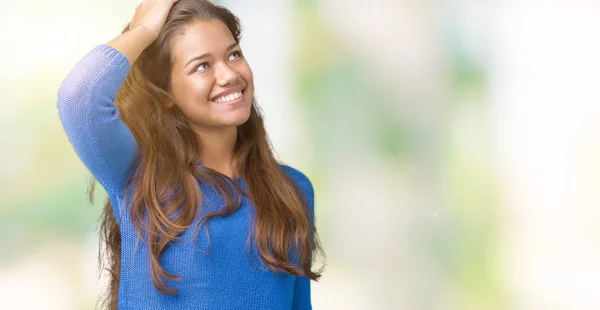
(217, 149)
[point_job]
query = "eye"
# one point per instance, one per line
(235, 55)
(202, 67)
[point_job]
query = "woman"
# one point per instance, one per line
(200, 215)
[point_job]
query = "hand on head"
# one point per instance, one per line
(152, 15)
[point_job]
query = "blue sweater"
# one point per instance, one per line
(227, 277)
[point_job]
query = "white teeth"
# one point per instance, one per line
(229, 97)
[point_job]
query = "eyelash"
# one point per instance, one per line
(239, 53)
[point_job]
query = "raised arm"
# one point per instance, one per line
(87, 95)
(91, 120)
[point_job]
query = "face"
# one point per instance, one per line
(211, 81)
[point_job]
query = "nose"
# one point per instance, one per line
(225, 75)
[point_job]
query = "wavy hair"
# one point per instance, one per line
(164, 187)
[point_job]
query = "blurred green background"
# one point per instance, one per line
(453, 146)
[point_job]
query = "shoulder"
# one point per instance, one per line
(303, 182)
(300, 178)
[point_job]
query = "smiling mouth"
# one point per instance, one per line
(231, 97)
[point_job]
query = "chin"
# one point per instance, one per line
(237, 120)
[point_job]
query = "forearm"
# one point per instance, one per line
(133, 42)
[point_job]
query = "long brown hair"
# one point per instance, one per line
(164, 188)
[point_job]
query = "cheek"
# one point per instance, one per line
(244, 71)
(200, 89)
(247, 74)
(192, 96)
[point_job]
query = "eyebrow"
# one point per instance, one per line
(208, 54)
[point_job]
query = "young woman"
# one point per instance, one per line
(200, 215)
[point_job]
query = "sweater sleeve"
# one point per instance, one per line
(91, 120)
(302, 294)
(302, 299)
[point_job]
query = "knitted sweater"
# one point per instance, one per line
(229, 276)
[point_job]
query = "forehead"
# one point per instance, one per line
(200, 37)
